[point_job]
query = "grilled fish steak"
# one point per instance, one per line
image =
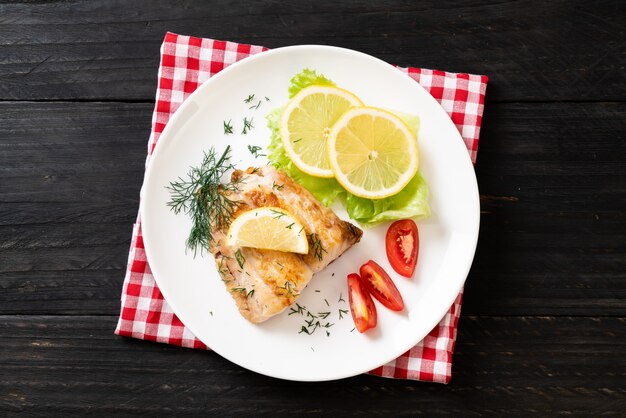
(265, 282)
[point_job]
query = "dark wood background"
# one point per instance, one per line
(543, 327)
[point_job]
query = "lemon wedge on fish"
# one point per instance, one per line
(268, 228)
(372, 152)
(305, 125)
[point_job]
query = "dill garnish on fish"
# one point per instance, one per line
(203, 197)
(316, 245)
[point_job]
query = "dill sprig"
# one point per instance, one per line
(249, 98)
(203, 197)
(316, 244)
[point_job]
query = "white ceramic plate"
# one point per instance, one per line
(276, 348)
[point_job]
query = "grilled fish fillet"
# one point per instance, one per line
(265, 282)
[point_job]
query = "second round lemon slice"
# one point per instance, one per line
(268, 228)
(305, 125)
(372, 152)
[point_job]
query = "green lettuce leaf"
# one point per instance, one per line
(307, 78)
(410, 202)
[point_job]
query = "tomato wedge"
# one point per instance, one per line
(361, 304)
(379, 284)
(402, 243)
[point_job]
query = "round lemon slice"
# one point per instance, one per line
(268, 228)
(372, 152)
(305, 125)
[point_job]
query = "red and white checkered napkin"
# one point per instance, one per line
(186, 62)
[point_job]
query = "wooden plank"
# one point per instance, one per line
(502, 365)
(552, 204)
(552, 234)
(109, 49)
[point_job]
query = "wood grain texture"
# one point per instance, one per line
(552, 237)
(549, 366)
(543, 326)
(551, 243)
(559, 50)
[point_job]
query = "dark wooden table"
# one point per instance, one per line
(543, 329)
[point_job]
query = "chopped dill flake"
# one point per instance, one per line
(277, 186)
(316, 244)
(267, 99)
(247, 125)
(301, 229)
(341, 299)
(249, 98)
(228, 127)
(278, 213)
(327, 304)
(281, 269)
(312, 349)
(317, 291)
(254, 150)
(240, 258)
(352, 329)
(297, 140)
(238, 289)
(250, 293)
(201, 196)
(342, 312)
(287, 287)
(255, 170)
(290, 225)
(255, 106)
(312, 321)
(298, 311)
(220, 270)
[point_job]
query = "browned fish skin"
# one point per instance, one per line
(265, 282)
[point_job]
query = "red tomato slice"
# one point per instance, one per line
(402, 244)
(379, 284)
(361, 304)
